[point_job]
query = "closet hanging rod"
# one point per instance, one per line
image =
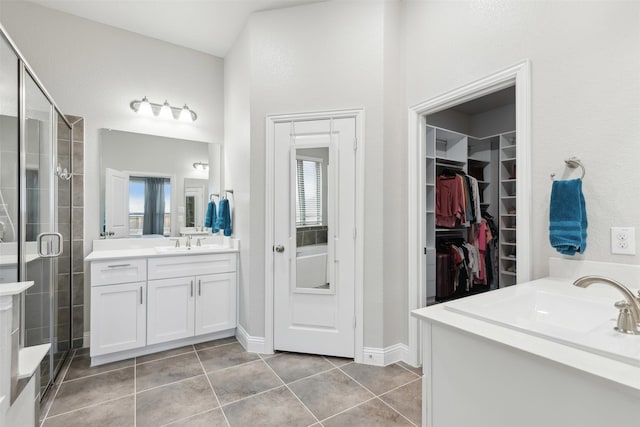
(572, 162)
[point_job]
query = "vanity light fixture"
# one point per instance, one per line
(164, 110)
(201, 166)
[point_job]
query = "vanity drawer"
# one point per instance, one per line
(118, 271)
(192, 265)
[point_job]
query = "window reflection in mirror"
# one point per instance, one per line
(312, 220)
(149, 206)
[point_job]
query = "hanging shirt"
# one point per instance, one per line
(450, 204)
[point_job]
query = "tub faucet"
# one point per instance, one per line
(629, 317)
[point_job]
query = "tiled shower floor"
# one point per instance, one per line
(219, 384)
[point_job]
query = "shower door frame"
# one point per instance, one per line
(25, 69)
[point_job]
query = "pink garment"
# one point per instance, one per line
(450, 207)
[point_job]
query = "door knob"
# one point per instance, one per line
(279, 248)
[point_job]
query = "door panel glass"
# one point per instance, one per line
(38, 206)
(9, 149)
(312, 221)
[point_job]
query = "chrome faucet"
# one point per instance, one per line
(629, 317)
(188, 241)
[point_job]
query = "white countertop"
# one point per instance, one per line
(9, 289)
(605, 367)
(146, 248)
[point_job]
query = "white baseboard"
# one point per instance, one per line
(386, 356)
(250, 344)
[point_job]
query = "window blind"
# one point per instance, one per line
(309, 192)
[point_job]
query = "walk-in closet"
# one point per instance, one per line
(470, 205)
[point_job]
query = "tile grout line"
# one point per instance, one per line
(294, 395)
(100, 373)
(212, 389)
(396, 411)
(312, 376)
(230, 367)
(53, 398)
(403, 367)
(189, 417)
(91, 406)
(400, 386)
(162, 358)
(135, 392)
(348, 409)
(377, 396)
(249, 397)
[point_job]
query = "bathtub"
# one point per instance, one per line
(311, 266)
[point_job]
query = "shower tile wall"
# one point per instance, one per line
(77, 206)
(63, 290)
(306, 236)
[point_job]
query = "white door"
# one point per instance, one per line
(116, 203)
(215, 303)
(118, 317)
(314, 236)
(170, 309)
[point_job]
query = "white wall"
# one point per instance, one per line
(93, 70)
(237, 121)
(585, 94)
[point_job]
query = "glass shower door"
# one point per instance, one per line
(47, 313)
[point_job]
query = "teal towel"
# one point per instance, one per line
(568, 217)
(210, 217)
(223, 222)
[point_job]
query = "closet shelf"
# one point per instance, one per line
(509, 181)
(509, 243)
(450, 230)
(508, 258)
(508, 228)
(441, 161)
(483, 183)
(483, 162)
(509, 159)
(508, 197)
(507, 147)
(512, 215)
(508, 273)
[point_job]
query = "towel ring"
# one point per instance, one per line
(572, 162)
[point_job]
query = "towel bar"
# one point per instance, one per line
(572, 162)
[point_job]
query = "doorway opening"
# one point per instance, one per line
(475, 137)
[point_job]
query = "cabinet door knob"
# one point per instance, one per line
(279, 248)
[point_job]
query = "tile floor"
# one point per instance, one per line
(219, 384)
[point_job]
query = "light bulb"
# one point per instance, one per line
(145, 107)
(185, 114)
(165, 111)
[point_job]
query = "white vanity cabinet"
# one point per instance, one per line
(142, 305)
(170, 314)
(118, 305)
(215, 303)
(182, 306)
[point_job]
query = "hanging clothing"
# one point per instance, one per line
(450, 201)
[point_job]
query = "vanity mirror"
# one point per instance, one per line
(150, 185)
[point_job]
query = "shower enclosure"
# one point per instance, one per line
(35, 214)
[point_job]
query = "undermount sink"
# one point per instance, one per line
(194, 248)
(556, 311)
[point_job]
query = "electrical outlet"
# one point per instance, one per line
(623, 240)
